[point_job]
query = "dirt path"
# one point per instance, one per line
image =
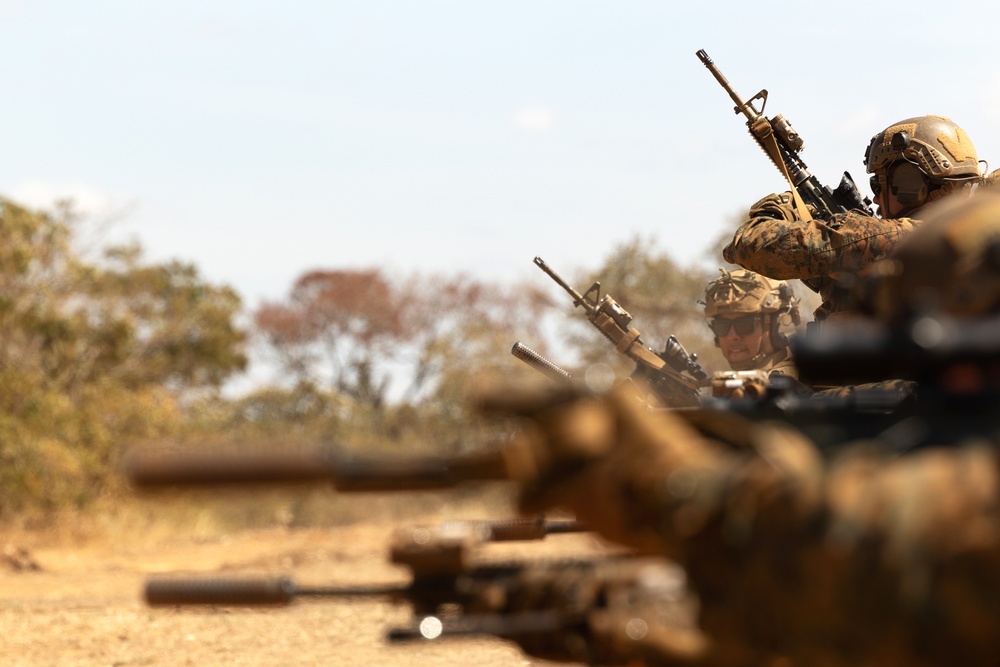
(83, 607)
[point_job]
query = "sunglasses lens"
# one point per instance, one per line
(720, 326)
(875, 185)
(742, 325)
(745, 325)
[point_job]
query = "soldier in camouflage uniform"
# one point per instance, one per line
(912, 162)
(862, 559)
(747, 312)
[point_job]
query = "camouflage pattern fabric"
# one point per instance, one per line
(782, 364)
(899, 388)
(614, 612)
(861, 560)
(776, 243)
(779, 361)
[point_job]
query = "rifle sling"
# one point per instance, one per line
(765, 135)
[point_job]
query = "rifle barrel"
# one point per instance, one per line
(147, 469)
(578, 299)
(161, 469)
(540, 363)
(249, 591)
(742, 106)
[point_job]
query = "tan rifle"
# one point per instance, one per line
(674, 374)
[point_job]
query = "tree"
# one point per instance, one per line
(354, 331)
(338, 328)
(462, 326)
(95, 354)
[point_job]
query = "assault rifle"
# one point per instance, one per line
(782, 144)
(545, 606)
(583, 613)
(675, 375)
(952, 365)
(440, 559)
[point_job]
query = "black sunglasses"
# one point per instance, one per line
(743, 325)
(875, 185)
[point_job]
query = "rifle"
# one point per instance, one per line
(829, 420)
(544, 606)
(931, 350)
(675, 375)
(782, 144)
(150, 469)
(440, 560)
(579, 614)
(952, 364)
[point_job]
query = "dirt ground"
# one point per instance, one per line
(80, 603)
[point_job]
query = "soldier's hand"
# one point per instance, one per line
(617, 612)
(607, 458)
(777, 206)
(610, 612)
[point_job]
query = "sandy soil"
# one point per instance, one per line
(82, 604)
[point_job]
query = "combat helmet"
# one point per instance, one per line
(929, 156)
(951, 263)
(745, 292)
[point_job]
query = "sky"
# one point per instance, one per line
(259, 140)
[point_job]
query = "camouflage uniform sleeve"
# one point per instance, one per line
(860, 559)
(775, 243)
(895, 558)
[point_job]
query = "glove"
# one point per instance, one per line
(606, 458)
(779, 207)
(616, 611)
(739, 384)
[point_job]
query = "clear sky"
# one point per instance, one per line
(262, 139)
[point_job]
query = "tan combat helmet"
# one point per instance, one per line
(745, 293)
(928, 155)
(950, 264)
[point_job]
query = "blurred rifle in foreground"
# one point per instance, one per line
(545, 606)
(148, 469)
(829, 420)
(440, 560)
(782, 144)
(674, 375)
(951, 369)
(929, 381)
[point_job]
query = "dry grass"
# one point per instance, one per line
(83, 607)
